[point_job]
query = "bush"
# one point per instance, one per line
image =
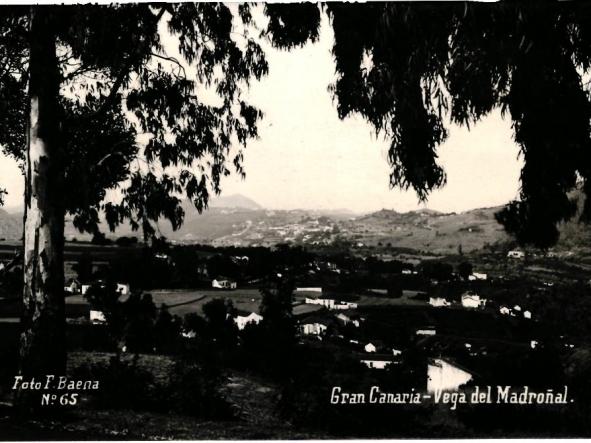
(194, 390)
(122, 385)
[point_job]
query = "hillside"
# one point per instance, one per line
(238, 220)
(11, 225)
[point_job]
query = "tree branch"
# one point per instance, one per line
(172, 60)
(121, 76)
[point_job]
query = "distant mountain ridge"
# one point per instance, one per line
(234, 201)
(240, 221)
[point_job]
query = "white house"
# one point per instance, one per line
(313, 328)
(73, 287)
(517, 308)
(326, 302)
(97, 317)
(223, 284)
(438, 302)
(331, 303)
(377, 361)
(472, 301)
(370, 347)
(477, 276)
(84, 289)
(189, 334)
(396, 352)
(443, 375)
(504, 310)
(426, 331)
(406, 271)
(242, 320)
(314, 289)
(123, 288)
(342, 305)
(527, 314)
(516, 254)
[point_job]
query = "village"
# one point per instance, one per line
(457, 317)
(405, 323)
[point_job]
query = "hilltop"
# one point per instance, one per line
(234, 201)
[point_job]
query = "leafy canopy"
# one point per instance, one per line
(412, 68)
(118, 83)
(409, 68)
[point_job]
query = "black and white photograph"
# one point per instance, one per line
(295, 221)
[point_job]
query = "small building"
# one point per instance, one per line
(342, 305)
(370, 347)
(242, 320)
(84, 289)
(504, 310)
(527, 315)
(471, 300)
(313, 328)
(477, 276)
(429, 330)
(189, 334)
(377, 361)
(516, 253)
(73, 286)
(326, 302)
(97, 317)
(314, 325)
(438, 302)
(223, 284)
(444, 375)
(309, 289)
(123, 288)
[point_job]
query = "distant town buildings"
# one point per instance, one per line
(331, 303)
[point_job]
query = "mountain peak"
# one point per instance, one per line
(234, 201)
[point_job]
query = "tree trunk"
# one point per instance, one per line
(42, 348)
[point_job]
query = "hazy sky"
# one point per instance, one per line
(307, 158)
